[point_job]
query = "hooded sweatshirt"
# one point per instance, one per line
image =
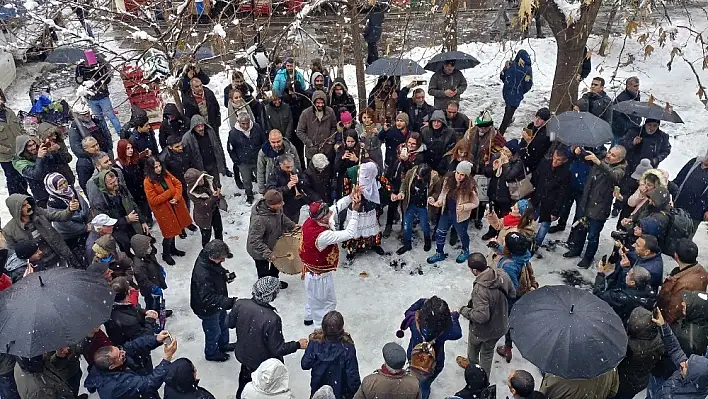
(270, 381)
(177, 126)
(692, 386)
(439, 141)
(180, 382)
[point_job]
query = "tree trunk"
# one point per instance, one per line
(450, 36)
(608, 29)
(358, 54)
(570, 42)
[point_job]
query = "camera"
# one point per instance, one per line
(620, 236)
(230, 277)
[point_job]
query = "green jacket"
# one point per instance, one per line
(9, 130)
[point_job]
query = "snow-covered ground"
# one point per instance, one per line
(373, 306)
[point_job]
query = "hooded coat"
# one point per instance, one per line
(244, 149)
(517, 78)
(441, 82)
(282, 80)
(381, 384)
(320, 181)
(279, 118)
(623, 300)
(191, 145)
(62, 157)
(333, 363)
(116, 206)
(317, 134)
(14, 231)
(148, 272)
(438, 142)
(177, 126)
(552, 188)
(597, 197)
(654, 147)
(76, 226)
(644, 349)
(10, 129)
(489, 310)
(34, 169)
(342, 103)
(267, 161)
(265, 229)
(692, 278)
(693, 186)
(191, 108)
(203, 200)
(180, 382)
(270, 381)
(692, 386)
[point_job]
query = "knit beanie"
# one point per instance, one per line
(523, 205)
(643, 166)
(346, 117)
(404, 117)
(464, 167)
(104, 246)
(266, 289)
(544, 113)
(475, 378)
(24, 249)
(273, 197)
(513, 145)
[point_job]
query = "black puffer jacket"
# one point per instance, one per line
(259, 333)
(644, 350)
(623, 300)
(180, 382)
(243, 149)
(148, 271)
(551, 187)
(173, 124)
(208, 291)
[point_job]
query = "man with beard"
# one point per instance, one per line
(456, 120)
(317, 127)
(245, 141)
(278, 116)
(293, 185)
(317, 82)
(447, 84)
(419, 111)
(204, 150)
(173, 124)
(175, 161)
(621, 123)
(340, 100)
(276, 146)
(438, 139)
(33, 161)
(200, 100)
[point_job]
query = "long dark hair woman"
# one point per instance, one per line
(347, 156)
(130, 163)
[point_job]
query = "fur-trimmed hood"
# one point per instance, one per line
(661, 174)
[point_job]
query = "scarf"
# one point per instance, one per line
(52, 181)
(511, 220)
(369, 183)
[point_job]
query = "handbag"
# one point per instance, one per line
(521, 188)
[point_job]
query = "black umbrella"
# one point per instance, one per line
(52, 309)
(568, 332)
(581, 129)
(394, 67)
(65, 55)
(648, 110)
(462, 61)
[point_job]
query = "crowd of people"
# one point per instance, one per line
(307, 147)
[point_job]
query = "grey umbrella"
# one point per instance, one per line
(462, 61)
(52, 309)
(647, 110)
(394, 67)
(581, 129)
(568, 332)
(65, 55)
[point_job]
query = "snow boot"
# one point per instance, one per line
(585, 263)
(505, 352)
(556, 229)
(167, 251)
(462, 257)
(379, 250)
(249, 199)
(230, 347)
(219, 357)
(402, 250)
(308, 322)
(193, 227)
(491, 233)
(387, 230)
(174, 251)
(183, 234)
(478, 224)
(428, 244)
(283, 285)
(438, 257)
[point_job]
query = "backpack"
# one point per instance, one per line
(527, 280)
(423, 361)
(680, 226)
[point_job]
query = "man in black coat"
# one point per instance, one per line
(551, 183)
(209, 299)
(176, 161)
(173, 124)
(637, 292)
(692, 183)
(646, 141)
(621, 123)
(143, 137)
(419, 111)
(340, 100)
(293, 184)
(535, 141)
(438, 138)
(200, 100)
(245, 140)
(259, 330)
(596, 101)
(456, 120)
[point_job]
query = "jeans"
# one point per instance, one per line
(542, 231)
(264, 268)
(216, 225)
(16, 184)
(426, 383)
(593, 236)
(244, 377)
(216, 333)
(508, 116)
(447, 219)
(410, 215)
(247, 173)
(105, 108)
(8, 387)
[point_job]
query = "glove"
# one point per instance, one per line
(156, 290)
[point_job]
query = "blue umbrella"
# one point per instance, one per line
(462, 61)
(66, 55)
(394, 67)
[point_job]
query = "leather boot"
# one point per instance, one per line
(176, 252)
(167, 252)
(428, 244)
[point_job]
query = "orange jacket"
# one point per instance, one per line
(172, 218)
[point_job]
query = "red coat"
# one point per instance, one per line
(172, 218)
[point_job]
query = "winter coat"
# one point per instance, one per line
(498, 188)
(144, 141)
(245, 89)
(513, 266)
(35, 169)
(342, 103)
(372, 146)
(517, 78)
(10, 129)
(596, 104)
(393, 137)
(125, 382)
(532, 153)
(100, 74)
(244, 149)
(643, 352)
(597, 197)
(417, 115)
(278, 180)
(191, 146)
(484, 147)
(374, 25)
(382, 384)
(14, 231)
(468, 203)
(621, 122)
(208, 291)
(78, 131)
(191, 107)
(203, 200)
(691, 278)
(234, 110)
(488, 308)
(117, 206)
(267, 161)
(279, 118)
(692, 386)
(424, 335)
(270, 381)
(259, 332)
(317, 135)
(601, 387)
(440, 81)
(198, 73)
(551, 189)
(127, 323)
(396, 171)
(172, 218)
(76, 226)
(653, 264)
(39, 381)
(692, 180)
(265, 229)
(177, 126)
(623, 300)
(180, 382)
(62, 157)
(282, 80)
(459, 124)
(320, 182)
(438, 142)
(134, 177)
(177, 163)
(434, 187)
(654, 147)
(332, 363)
(148, 272)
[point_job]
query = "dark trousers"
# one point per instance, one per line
(574, 195)
(592, 233)
(16, 184)
(8, 387)
(508, 116)
(77, 245)
(216, 225)
(216, 333)
(265, 268)
(244, 377)
(372, 53)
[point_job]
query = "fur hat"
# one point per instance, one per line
(320, 161)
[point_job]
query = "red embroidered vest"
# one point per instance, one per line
(313, 259)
